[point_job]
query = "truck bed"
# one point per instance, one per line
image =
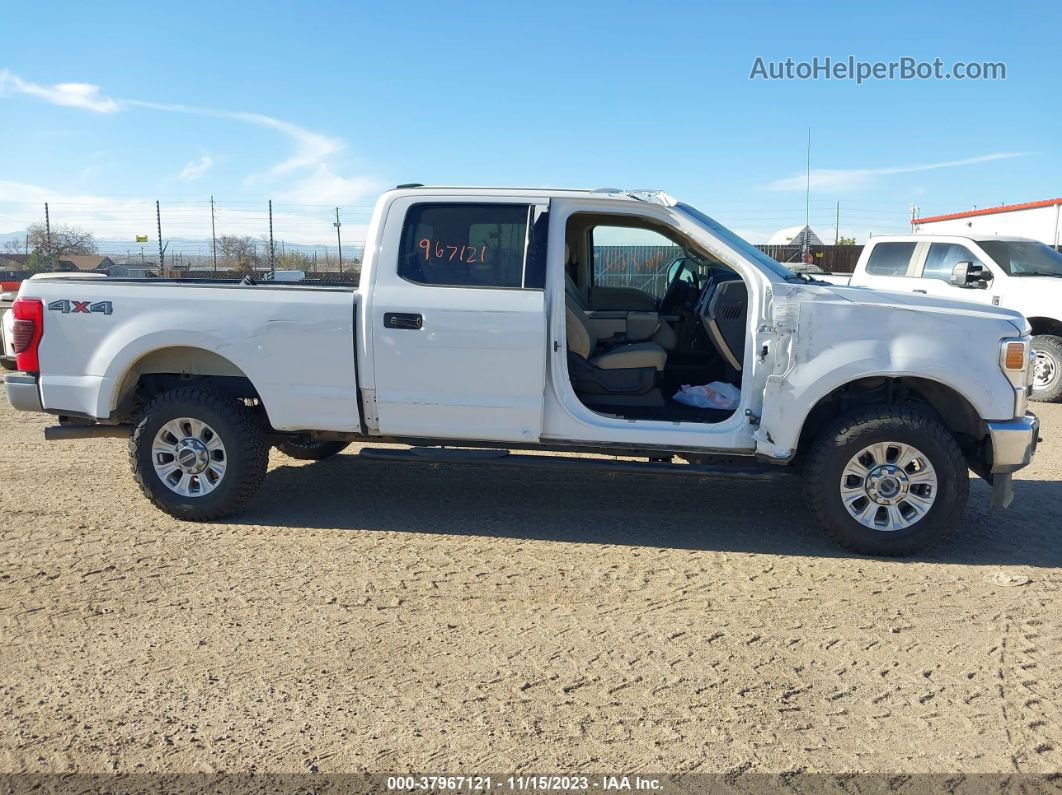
(294, 342)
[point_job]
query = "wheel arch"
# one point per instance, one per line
(178, 365)
(1047, 326)
(949, 405)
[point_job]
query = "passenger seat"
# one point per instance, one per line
(581, 340)
(576, 300)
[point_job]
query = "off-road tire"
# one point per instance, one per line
(842, 439)
(1052, 346)
(247, 452)
(304, 448)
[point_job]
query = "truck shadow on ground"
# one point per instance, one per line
(349, 493)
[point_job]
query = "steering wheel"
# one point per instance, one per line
(671, 294)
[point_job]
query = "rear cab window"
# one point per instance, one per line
(890, 259)
(467, 245)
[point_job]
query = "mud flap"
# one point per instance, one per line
(1002, 490)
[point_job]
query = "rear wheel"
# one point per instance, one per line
(1047, 372)
(306, 448)
(198, 454)
(886, 480)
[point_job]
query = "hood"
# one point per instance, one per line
(868, 296)
(1035, 286)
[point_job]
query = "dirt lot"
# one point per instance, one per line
(391, 617)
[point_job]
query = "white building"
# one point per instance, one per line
(794, 236)
(1037, 220)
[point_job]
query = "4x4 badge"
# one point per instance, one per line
(77, 307)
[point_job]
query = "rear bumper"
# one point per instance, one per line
(22, 392)
(1013, 443)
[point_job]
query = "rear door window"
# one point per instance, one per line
(465, 245)
(890, 259)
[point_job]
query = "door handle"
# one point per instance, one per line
(923, 292)
(403, 320)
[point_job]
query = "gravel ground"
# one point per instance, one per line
(389, 617)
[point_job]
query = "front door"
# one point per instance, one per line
(941, 259)
(459, 320)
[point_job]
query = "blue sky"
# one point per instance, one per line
(324, 104)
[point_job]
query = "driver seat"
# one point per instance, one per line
(583, 342)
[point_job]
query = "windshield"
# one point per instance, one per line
(1024, 258)
(736, 242)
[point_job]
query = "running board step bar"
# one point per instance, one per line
(63, 433)
(454, 455)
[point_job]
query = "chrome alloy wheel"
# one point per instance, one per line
(888, 486)
(1045, 370)
(189, 457)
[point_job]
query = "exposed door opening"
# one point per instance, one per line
(647, 313)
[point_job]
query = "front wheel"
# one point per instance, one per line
(198, 454)
(886, 480)
(1047, 372)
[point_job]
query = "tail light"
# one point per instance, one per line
(28, 330)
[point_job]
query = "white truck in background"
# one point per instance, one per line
(482, 326)
(1013, 272)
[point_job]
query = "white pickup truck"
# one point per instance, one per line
(1013, 272)
(482, 325)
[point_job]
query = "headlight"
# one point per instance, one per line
(1016, 360)
(1014, 357)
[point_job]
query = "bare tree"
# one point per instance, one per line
(12, 246)
(237, 252)
(66, 240)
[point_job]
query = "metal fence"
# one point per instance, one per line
(320, 277)
(831, 259)
(641, 267)
(644, 267)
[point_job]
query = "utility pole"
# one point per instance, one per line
(807, 204)
(158, 222)
(48, 235)
(213, 235)
(914, 214)
(272, 261)
(339, 240)
(837, 226)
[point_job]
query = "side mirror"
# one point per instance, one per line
(969, 276)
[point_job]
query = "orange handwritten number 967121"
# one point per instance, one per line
(469, 255)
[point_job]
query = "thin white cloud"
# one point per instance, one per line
(324, 185)
(309, 173)
(196, 168)
(311, 148)
(847, 179)
(72, 95)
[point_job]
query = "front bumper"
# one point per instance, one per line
(22, 392)
(1013, 443)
